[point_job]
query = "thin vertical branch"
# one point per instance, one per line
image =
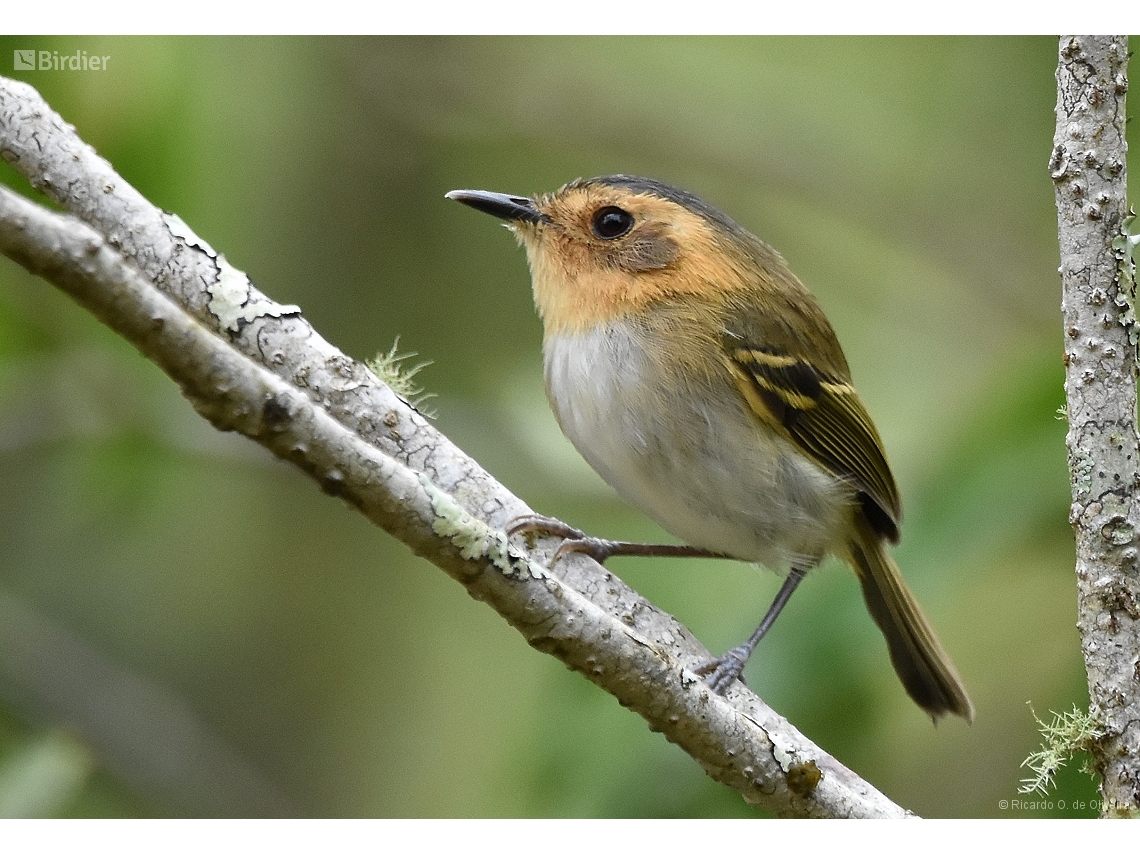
(1088, 170)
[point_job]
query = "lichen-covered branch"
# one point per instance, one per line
(1088, 170)
(249, 364)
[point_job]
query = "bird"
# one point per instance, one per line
(701, 379)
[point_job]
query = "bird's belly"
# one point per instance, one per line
(692, 456)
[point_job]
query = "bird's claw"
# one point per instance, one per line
(721, 673)
(542, 525)
(573, 540)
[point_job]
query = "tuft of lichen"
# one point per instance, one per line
(1064, 736)
(390, 368)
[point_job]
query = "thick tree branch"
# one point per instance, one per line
(1088, 170)
(252, 365)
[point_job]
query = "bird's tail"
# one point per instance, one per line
(923, 666)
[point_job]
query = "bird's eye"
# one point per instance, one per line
(610, 222)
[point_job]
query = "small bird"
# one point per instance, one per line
(699, 377)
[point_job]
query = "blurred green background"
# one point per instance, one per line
(188, 627)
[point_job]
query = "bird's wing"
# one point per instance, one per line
(823, 416)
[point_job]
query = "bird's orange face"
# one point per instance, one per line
(599, 252)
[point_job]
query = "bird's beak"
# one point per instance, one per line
(500, 205)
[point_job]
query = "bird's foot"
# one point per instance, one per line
(721, 673)
(574, 540)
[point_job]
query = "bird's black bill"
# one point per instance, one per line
(500, 205)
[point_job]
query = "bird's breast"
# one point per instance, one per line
(684, 448)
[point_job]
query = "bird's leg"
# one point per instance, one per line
(720, 673)
(599, 548)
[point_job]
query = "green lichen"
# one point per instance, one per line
(474, 538)
(390, 368)
(232, 298)
(1082, 467)
(1125, 243)
(182, 231)
(1065, 735)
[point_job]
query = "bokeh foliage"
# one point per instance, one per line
(189, 627)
